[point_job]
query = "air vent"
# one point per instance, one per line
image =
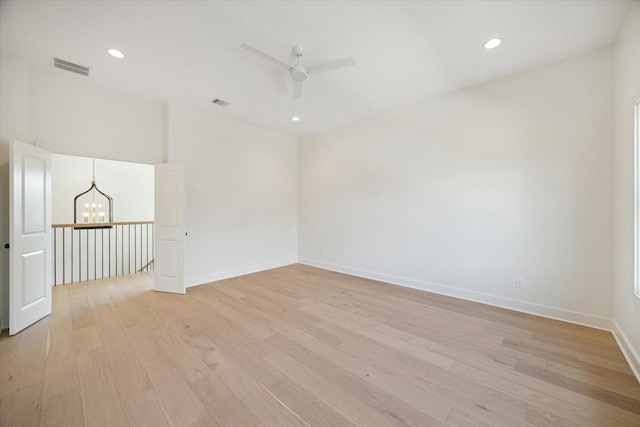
(220, 102)
(70, 66)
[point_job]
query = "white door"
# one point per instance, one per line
(170, 233)
(30, 235)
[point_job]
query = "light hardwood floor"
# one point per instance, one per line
(299, 346)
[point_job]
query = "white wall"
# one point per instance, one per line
(71, 115)
(130, 185)
(14, 124)
(463, 193)
(14, 102)
(241, 195)
(627, 93)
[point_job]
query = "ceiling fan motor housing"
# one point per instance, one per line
(298, 73)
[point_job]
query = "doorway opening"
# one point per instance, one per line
(85, 246)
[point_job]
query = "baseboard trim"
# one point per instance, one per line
(497, 301)
(201, 280)
(629, 352)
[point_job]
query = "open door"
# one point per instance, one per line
(30, 236)
(170, 233)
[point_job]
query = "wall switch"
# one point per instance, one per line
(519, 282)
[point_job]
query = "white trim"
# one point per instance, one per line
(494, 300)
(629, 352)
(201, 280)
(636, 200)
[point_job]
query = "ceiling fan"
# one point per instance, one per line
(297, 72)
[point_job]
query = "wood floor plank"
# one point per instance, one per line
(187, 362)
(302, 319)
(179, 401)
(615, 365)
(248, 319)
(507, 331)
(539, 349)
(589, 390)
(132, 379)
(495, 409)
(298, 345)
(181, 404)
(101, 404)
(145, 410)
(311, 409)
(367, 412)
(228, 295)
(61, 377)
(206, 421)
(553, 398)
(141, 340)
(8, 352)
(460, 418)
(81, 312)
(424, 400)
(256, 397)
(60, 342)
(224, 407)
(248, 351)
(63, 409)
(606, 379)
(26, 363)
(417, 346)
(593, 344)
(540, 418)
(87, 339)
(22, 407)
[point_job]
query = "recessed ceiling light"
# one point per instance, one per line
(115, 53)
(493, 43)
(295, 118)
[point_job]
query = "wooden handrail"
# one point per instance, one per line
(99, 224)
(144, 267)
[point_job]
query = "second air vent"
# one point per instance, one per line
(220, 102)
(70, 66)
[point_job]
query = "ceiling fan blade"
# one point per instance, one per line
(265, 56)
(331, 65)
(297, 89)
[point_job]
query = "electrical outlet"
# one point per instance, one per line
(520, 282)
(322, 252)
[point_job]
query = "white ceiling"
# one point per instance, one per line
(189, 51)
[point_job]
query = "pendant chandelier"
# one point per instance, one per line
(96, 207)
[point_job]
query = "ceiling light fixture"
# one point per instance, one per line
(493, 43)
(115, 53)
(93, 211)
(295, 118)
